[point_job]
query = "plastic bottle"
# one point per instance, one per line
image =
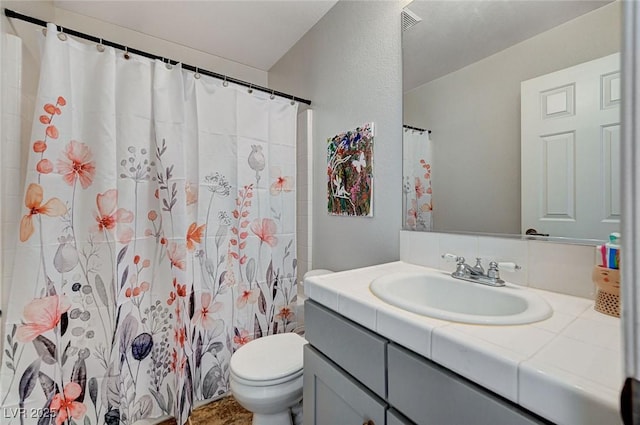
(613, 251)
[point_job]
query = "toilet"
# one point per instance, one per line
(266, 377)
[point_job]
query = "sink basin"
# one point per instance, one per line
(437, 294)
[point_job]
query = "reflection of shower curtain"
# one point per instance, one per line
(157, 237)
(417, 205)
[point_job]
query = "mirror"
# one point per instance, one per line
(464, 63)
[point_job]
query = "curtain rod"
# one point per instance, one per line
(416, 128)
(12, 14)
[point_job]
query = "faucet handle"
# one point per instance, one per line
(452, 257)
(508, 266)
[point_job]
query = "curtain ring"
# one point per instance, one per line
(225, 83)
(168, 64)
(293, 100)
(100, 46)
(197, 74)
(127, 56)
(273, 96)
(44, 31)
(250, 90)
(61, 35)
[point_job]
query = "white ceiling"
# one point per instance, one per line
(457, 33)
(255, 33)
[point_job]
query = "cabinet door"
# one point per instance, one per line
(333, 397)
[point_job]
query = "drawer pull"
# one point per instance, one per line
(369, 422)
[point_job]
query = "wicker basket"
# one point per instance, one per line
(608, 290)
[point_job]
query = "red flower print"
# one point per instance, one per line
(179, 336)
(194, 235)
(265, 229)
(108, 215)
(247, 296)
(285, 313)
(42, 315)
(33, 201)
(203, 316)
(419, 188)
(61, 101)
(66, 405)
(52, 131)
(77, 164)
(242, 337)
(39, 146)
(177, 254)
(282, 184)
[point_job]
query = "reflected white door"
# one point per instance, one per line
(570, 151)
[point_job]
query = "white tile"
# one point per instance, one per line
(591, 314)
(461, 245)
(556, 323)
(595, 332)
(407, 329)
(420, 248)
(525, 340)
(564, 303)
(600, 365)
(358, 305)
(487, 364)
(506, 250)
(562, 268)
(564, 398)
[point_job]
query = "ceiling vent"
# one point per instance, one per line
(409, 19)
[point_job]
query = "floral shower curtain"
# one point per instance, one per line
(418, 155)
(158, 236)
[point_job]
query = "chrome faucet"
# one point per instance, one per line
(476, 273)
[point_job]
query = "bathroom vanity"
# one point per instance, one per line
(372, 363)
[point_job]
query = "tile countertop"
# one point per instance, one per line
(567, 369)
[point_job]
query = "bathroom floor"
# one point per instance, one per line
(225, 411)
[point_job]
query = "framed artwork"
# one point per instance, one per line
(350, 172)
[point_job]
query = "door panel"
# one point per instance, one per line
(570, 150)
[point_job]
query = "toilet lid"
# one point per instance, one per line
(269, 358)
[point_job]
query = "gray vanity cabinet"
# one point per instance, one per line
(354, 376)
(335, 397)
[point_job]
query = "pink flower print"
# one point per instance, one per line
(203, 316)
(265, 229)
(247, 296)
(33, 201)
(77, 163)
(66, 405)
(285, 313)
(419, 187)
(42, 315)
(412, 214)
(241, 337)
(281, 184)
(177, 254)
(109, 215)
(191, 193)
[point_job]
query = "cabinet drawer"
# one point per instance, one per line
(333, 397)
(352, 347)
(429, 394)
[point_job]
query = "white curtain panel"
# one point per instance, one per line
(157, 236)
(417, 160)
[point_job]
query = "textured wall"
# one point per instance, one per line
(349, 65)
(474, 114)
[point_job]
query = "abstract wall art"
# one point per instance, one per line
(350, 172)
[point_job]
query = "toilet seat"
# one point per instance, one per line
(270, 360)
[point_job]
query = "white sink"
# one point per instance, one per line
(436, 294)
